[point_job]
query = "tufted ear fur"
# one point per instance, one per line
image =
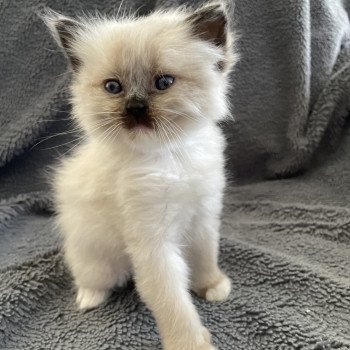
(210, 23)
(64, 30)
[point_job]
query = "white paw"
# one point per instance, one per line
(90, 298)
(220, 291)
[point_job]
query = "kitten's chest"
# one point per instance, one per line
(160, 180)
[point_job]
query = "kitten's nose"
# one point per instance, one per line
(137, 108)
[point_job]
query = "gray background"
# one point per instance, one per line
(285, 241)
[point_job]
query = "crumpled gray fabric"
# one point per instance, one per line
(285, 242)
(291, 87)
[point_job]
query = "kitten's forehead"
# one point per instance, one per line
(135, 49)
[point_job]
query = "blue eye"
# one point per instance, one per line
(164, 82)
(113, 86)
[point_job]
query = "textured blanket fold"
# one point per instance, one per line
(286, 243)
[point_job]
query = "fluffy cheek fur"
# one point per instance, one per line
(196, 98)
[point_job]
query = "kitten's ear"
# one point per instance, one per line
(210, 23)
(65, 31)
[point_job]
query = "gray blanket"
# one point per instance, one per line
(285, 242)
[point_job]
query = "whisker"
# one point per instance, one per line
(55, 120)
(112, 135)
(171, 155)
(62, 144)
(68, 132)
(179, 155)
(74, 147)
(190, 117)
(46, 138)
(178, 127)
(83, 138)
(116, 133)
(62, 74)
(178, 142)
(106, 133)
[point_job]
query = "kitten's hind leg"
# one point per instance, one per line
(90, 298)
(96, 280)
(96, 257)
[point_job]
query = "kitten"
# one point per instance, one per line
(143, 195)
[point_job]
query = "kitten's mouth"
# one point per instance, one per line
(138, 123)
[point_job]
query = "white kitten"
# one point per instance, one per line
(143, 195)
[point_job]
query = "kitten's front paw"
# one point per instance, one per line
(217, 291)
(90, 298)
(220, 291)
(201, 342)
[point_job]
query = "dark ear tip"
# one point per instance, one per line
(210, 11)
(64, 30)
(214, 8)
(48, 16)
(54, 19)
(210, 23)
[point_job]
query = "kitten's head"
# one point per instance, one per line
(149, 80)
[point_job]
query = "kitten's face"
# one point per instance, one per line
(148, 81)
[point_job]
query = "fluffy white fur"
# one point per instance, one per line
(147, 203)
